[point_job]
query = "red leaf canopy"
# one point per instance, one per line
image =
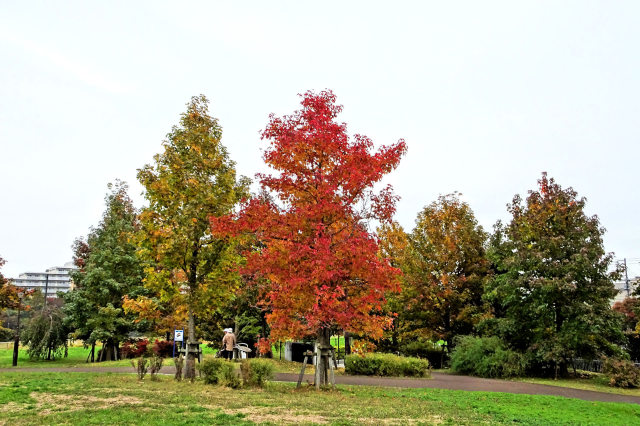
(318, 259)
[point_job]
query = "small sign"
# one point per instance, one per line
(178, 335)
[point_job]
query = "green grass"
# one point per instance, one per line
(596, 382)
(77, 357)
(91, 398)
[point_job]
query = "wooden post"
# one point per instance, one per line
(332, 376)
(304, 365)
(317, 364)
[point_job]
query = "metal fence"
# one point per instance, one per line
(594, 365)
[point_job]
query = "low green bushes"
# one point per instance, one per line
(216, 371)
(386, 365)
(254, 372)
(426, 350)
(486, 357)
(621, 373)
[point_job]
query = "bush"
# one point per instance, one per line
(155, 366)
(141, 366)
(386, 365)
(179, 363)
(6, 334)
(163, 348)
(426, 350)
(621, 373)
(486, 357)
(133, 348)
(256, 372)
(217, 371)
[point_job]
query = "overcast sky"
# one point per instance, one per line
(486, 94)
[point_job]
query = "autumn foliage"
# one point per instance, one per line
(318, 259)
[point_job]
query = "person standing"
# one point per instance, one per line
(228, 343)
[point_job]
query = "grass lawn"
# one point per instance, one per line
(592, 381)
(77, 357)
(91, 398)
(597, 382)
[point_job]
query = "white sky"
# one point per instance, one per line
(487, 95)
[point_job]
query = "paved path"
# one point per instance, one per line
(438, 381)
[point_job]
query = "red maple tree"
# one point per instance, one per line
(318, 262)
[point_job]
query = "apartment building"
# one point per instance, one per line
(52, 280)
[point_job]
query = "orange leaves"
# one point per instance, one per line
(319, 262)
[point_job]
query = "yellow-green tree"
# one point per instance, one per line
(191, 181)
(444, 266)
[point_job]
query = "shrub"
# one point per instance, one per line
(486, 357)
(263, 347)
(621, 373)
(256, 372)
(155, 366)
(134, 348)
(126, 349)
(6, 334)
(163, 348)
(179, 363)
(386, 365)
(217, 371)
(426, 350)
(141, 366)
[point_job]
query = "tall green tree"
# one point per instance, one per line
(108, 270)
(553, 285)
(192, 180)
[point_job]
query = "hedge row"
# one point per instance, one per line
(386, 365)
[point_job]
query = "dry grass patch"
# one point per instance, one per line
(47, 403)
(10, 407)
(430, 420)
(277, 416)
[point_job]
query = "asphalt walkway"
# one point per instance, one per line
(437, 381)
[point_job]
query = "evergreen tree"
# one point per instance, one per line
(108, 271)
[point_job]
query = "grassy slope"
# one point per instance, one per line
(90, 398)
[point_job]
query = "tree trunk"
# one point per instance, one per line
(190, 362)
(93, 352)
(109, 351)
(347, 343)
(323, 351)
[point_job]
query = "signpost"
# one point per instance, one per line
(178, 336)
